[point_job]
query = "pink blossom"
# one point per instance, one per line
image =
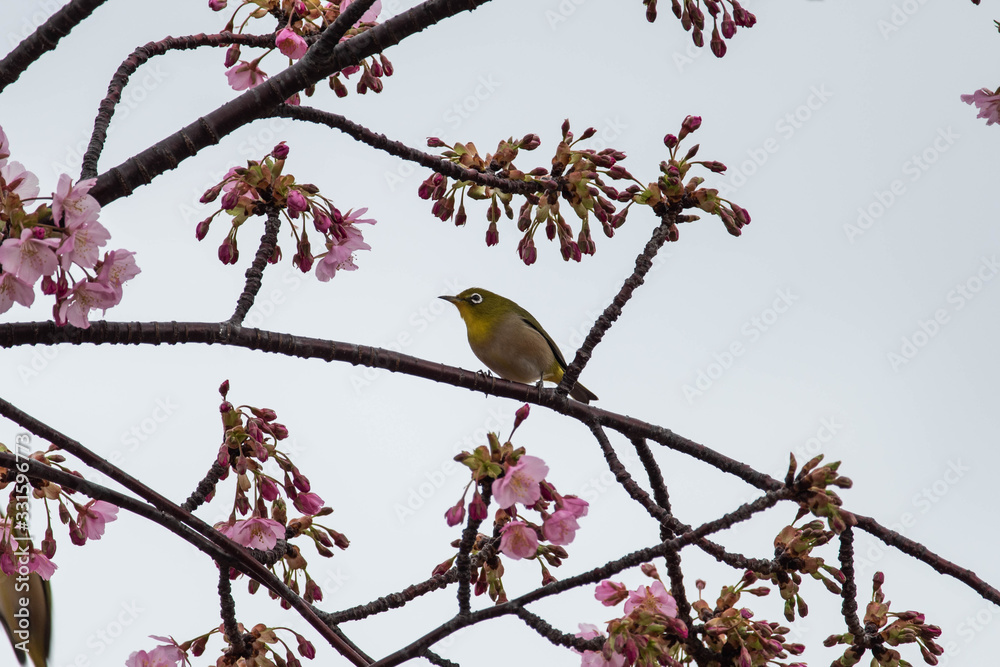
(117, 267)
(610, 592)
(94, 515)
(37, 562)
(245, 75)
(308, 503)
(29, 257)
(14, 289)
(653, 598)
(291, 44)
(578, 507)
(83, 298)
(340, 257)
(520, 483)
(354, 217)
(518, 540)
(369, 16)
(596, 658)
(988, 103)
(560, 528)
(72, 204)
(19, 180)
(81, 245)
(161, 656)
(4, 147)
(256, 533)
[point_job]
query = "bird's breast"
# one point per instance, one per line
(513, 349)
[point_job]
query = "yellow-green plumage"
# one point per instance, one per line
(510, 341)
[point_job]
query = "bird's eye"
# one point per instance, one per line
(475, 298)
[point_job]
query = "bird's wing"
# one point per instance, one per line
(533, 323)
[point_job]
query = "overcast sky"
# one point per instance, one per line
(856, 317)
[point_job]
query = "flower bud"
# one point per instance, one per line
(492, 234)
(232, 55)
(386, 65)
(280, 152)
(718, 45)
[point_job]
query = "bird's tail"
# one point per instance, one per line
(582, 394)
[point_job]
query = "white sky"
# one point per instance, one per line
(838, 105)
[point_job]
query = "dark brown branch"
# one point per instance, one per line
(136, 59)
(323, 59)
(238, 647)
(204, 488)
(401, 150)
(44, 39)
(920, 552)
(169, 515)
(660, 494)
(464, 562)
(435, 659)
(254, 274)
(849, 591)
(643, 263)
(545, 629)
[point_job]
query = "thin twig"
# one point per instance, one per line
(255, 274)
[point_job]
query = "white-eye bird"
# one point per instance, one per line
(510, 341)
(26, 615)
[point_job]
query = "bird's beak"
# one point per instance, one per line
(450, 299)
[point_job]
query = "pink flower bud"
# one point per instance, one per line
(530, 142)
(670, 141)
(217, 5)
(280, 152)
(296, 203)
(228, 253)
(202, 229)
(338, 86)
(456, 513)
(386, 65)
(232, 55)
(521, 414)
(477, 508)
(492, 234)
(718, 45)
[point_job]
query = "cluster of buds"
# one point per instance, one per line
(649, 632)
(301, 22)
(793, 553)
(670, 191)
(906, 628)
(59, 244)
(263, 647)
(813, 496)
(250, 439)
(693, 19)
(85, 521)
(254, 189)
(515, 478)
(579, 178)
(731, 629)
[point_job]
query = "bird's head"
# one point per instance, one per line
(477, 305)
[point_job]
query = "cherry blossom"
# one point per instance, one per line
(14, 289)
(245, 75)
(520, 483)
(518, 540)
(72, 204)
(291, 44)
(29, 257)
(94, 515)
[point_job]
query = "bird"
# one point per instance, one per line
(25, 613)
(510, 341)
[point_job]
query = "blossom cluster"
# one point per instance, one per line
(693, 19)
(264, 646)
(86, 521)
(517, 479)
(251, 190)
(578, 179)
(302, 20)
(59, 244)
(648, 633)
(988, 103)
(249, 448)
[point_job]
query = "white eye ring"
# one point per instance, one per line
(475, 298)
